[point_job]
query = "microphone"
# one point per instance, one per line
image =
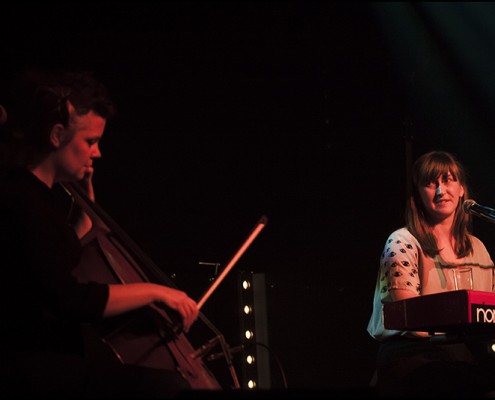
(216, 356)
(471, 207)
(206, 348)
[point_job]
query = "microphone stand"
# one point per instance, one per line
(228, 358)
(208, 347)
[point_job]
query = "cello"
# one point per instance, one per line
(150, 336)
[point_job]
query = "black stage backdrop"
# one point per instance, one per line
(306, 112)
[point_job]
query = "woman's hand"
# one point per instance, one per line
(84, 224)
(87, 183)
(180, 302)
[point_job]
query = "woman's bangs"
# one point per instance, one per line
(431, 171)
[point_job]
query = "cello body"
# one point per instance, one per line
(149, 336)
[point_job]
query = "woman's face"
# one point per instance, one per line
(440, 197)
(75, 157)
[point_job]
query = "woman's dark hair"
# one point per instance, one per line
(40, 99)
(428, 168)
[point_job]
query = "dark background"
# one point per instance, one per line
(306, 112)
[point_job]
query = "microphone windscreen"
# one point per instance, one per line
(466, 206)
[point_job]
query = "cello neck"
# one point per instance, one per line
(102, 221)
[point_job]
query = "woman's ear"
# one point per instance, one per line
(57, 135)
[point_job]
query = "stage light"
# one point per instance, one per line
(254, 330)
(251, 384)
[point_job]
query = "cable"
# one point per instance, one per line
(279, 363)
